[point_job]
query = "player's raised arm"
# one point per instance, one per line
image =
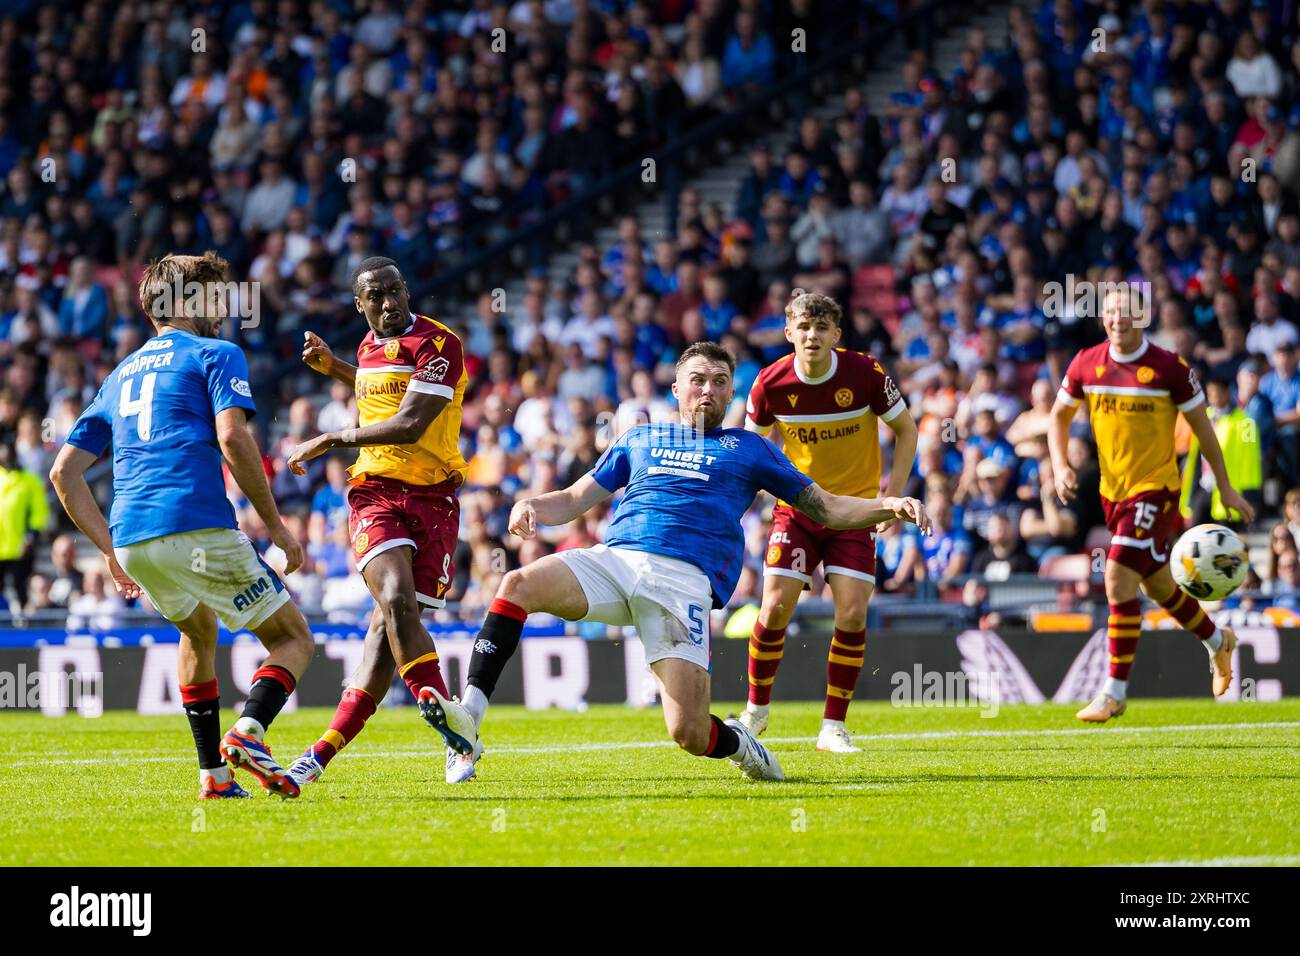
(556, 507)
(69, 479)
(842, 512)
(438, 366)
(319, 356)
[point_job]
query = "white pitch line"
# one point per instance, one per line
(1221, 861)
(651, 744)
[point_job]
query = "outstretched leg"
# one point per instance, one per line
(684, 688)
(288, 638)
(767, 646)
(1219, 643)
(545, 586)
(368, 687)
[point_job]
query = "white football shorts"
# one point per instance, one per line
(218, 567)
(666, 600)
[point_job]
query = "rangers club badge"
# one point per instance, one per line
(391, 350)
(729, 441)
(844, 397)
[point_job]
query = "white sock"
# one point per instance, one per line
(759, 709)
(250, 728)
(218, 774)
(1115, 688)
(833, 725)
(476, 702)
(1214, 642)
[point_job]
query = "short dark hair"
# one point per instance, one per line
(709, 351)
(161, 277)
(371, 264)
(815, 306)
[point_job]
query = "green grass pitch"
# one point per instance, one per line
(1172, 781)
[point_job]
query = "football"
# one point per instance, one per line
(1209, 562)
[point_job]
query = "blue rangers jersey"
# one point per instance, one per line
(158, 410)
(686, 492)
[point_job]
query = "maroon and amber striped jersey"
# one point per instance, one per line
(1133, 401)
(829, 423)
(428, 358)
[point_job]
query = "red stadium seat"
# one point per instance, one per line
(873, 288)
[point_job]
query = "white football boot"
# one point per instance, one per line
(306, 769)
(755, 761)
(754, 719)
(460, 767)
(834, 738)
(450, 719)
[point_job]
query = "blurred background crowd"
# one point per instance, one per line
(1154, 142)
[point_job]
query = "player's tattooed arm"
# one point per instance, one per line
(843, 512)
(321, 357)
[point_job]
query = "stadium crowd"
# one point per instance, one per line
(1155, 142)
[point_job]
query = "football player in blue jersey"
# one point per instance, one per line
(171, 411)
(673, 551)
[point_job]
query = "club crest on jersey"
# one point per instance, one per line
(730, 442)
(1145, 374)
(361, 543)
(391, 349)
(844, 397)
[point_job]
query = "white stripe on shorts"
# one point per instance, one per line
(381, 548)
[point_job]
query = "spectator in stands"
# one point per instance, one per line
(1239, 439)
(24, 513)
(94, 608)
(862, 229)
(294, 492)
(991, 495)
(749, 58)
(899, 558)
(83, 313)
(948, 549)
(1005, 554)
(67, 580)
(1291, 514)
(1284, 588)
(330, 500)
(38, 596)
(1047, 526)
(1281, 387)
